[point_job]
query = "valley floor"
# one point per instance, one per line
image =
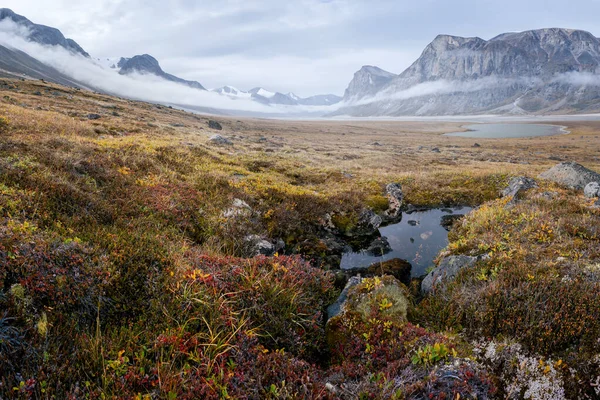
(126, 268)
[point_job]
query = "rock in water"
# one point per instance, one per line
(368, 223)
(449, 267)
(448, 221)
(592, 190)
(395, 199)
(379, 247)
(571, 174)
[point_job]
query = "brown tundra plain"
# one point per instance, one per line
(128, 264)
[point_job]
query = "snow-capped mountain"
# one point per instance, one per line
(232, 92)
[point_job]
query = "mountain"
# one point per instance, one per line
(232, 92)
(320, 100)
(540, 71)
(42, 34)
(146, 64)
(266, 97)
(367, 81)
(16, 64)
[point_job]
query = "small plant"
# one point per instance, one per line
(4, 123)
(431, 354)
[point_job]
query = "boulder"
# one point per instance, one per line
(592, 190)
(220, 140)
(215, 125)
(239, 208)
(94, 116)
(518, 185)
(448, 268)
(336, 308)
(362, 296)
(368, 224)
(395, 199)
(379, 247)
(572, 175)
(261, 246)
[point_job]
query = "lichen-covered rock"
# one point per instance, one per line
(383, 297)
(592, 190)
(368, 224)
(518, 185)
(239, 208)
(220, 140)
(449, 267)
(395, 199)
(572, 175)
(261, 246)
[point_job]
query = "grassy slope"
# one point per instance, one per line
(116, 271)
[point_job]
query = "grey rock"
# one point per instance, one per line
(215, 125)
(518, 185)
(261, 246)
(238, 208)
(592, 190)
(146, 64)
(571, 174)
(379, 247)
(368, 223)
(336, 308)
(93, 116)
(220, 140)
(448, 268)
(395, 199)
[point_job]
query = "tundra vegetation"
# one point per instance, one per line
(125, 270)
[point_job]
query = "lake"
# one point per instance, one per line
(500, 131)
(418, 239)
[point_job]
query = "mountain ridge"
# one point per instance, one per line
(531, 72)
(43, 34)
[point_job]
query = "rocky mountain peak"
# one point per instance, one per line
(537, 71)
(144, 63)
(43, 34)
(367, 81)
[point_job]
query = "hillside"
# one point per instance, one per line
(128, 264)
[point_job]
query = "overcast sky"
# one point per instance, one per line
(304, 46)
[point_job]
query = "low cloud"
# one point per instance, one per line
(136, 86)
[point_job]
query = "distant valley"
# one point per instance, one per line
(539, 72)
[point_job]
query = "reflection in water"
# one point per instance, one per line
(418, 238)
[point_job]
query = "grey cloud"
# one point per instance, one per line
(263, 30)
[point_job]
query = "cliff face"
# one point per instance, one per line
(548, 70)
